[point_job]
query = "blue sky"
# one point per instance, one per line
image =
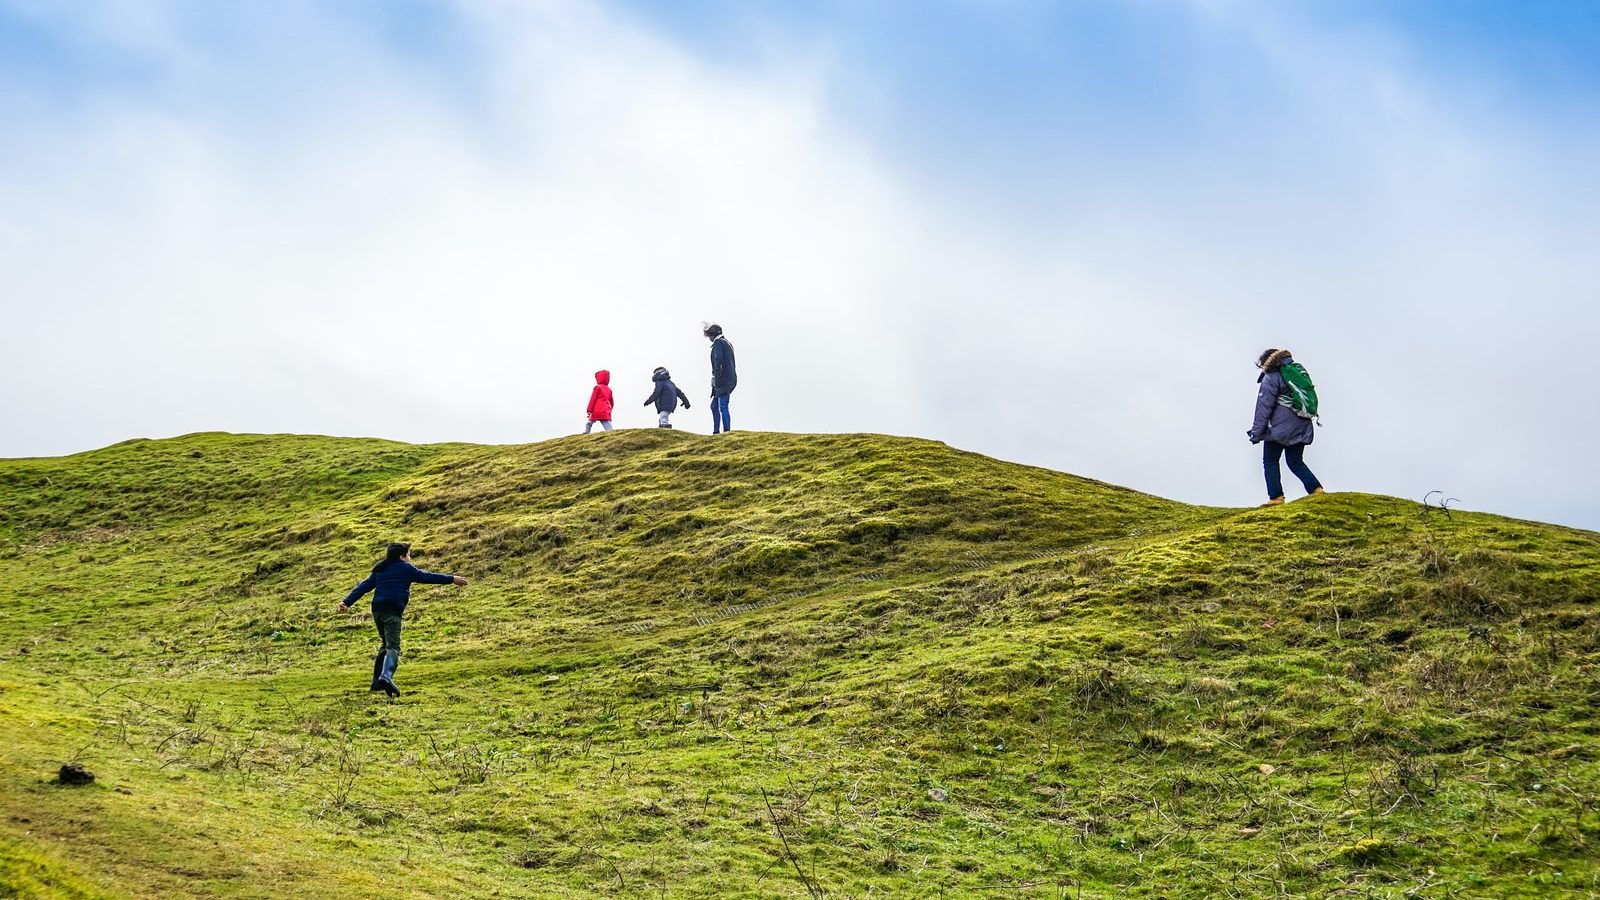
(1053, 232)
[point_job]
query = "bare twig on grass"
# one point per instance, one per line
(120, 684)
(588, 849)
(1443, 504)
(811, 888)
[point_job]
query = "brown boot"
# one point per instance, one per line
(1275, 501)
(1316, 492)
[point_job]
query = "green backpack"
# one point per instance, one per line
(1301, 394)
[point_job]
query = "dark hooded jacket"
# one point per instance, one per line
(391, 583)
(1275, 419)
(666, 396)
(724, 378)
(600, 397)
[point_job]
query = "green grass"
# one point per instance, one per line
(777, 665)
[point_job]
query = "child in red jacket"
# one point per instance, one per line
(600, 402)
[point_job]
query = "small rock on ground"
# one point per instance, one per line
(75, 773)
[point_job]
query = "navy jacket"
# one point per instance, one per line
(1275, 419)
(391, 585)
(724, 378)
(666, 396)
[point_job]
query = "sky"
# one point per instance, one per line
(1058, 233)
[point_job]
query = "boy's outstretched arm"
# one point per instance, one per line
(423, 576)
(367, 584)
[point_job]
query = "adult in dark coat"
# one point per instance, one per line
(724, 378)
(1282, 432)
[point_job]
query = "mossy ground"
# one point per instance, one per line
(769, 665)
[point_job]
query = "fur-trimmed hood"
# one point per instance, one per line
(1274, 362)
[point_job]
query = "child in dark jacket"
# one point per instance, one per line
(600, 402)
(666, 397)
(391, 582)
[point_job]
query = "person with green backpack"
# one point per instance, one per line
(1286, 406)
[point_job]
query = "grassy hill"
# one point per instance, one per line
(777, 665)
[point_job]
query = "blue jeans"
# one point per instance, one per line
(1271, 451)
(719, 414)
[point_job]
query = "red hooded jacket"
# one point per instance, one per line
(600, 400)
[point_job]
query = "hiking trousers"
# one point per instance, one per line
(1271, 452)
(388, 623)
(603, 423)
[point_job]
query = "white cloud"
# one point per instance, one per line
(382, 250)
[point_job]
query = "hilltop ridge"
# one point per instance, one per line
(770, 664)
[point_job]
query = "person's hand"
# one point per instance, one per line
(459, 580)
(344, 607)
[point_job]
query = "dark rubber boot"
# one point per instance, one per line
(391, 660)
(377, 672)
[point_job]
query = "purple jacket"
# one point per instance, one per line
(1277, 421)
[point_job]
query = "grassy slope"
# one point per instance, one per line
(753, 665)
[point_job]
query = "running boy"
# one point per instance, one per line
(391, 582)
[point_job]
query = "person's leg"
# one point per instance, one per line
(391, 661)
(606, 424)
(1271, 452)
(589, 427)
(716, 417)
(1295, 457)
(727, 423)
(383, 650)
(389, 628)
(664, 420)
